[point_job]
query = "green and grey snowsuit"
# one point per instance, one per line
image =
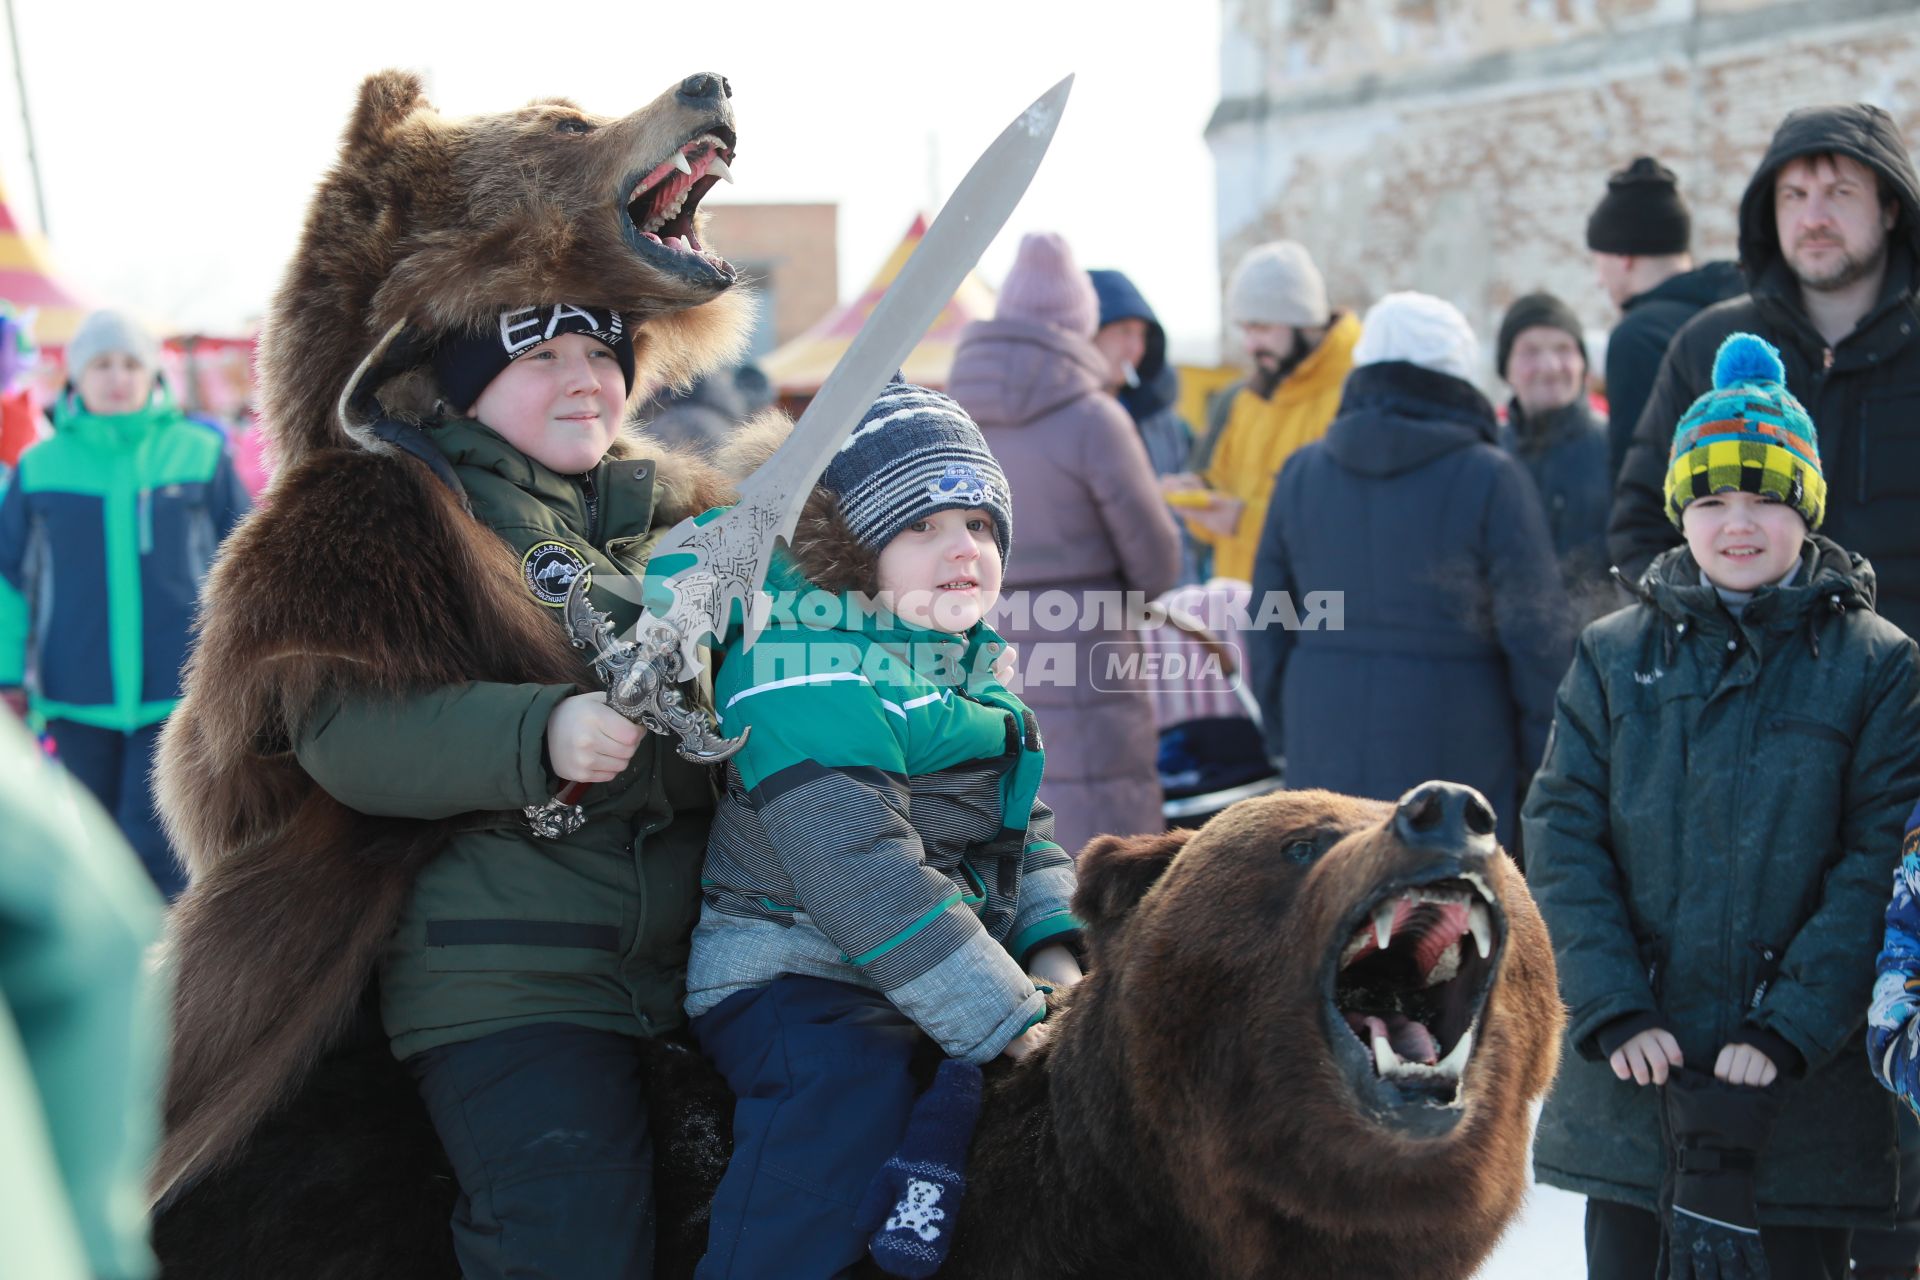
(505, 930)
(881, 827)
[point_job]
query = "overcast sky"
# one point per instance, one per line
(179, 141)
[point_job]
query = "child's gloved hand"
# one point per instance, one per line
(913, 1203)
(588, 741)
(1715, 1133)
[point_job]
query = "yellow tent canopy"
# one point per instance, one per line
(29, 283)
(798, 368)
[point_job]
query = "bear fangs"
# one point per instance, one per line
(1391, 1066)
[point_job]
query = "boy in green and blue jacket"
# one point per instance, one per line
(880, 869)
(107, 531)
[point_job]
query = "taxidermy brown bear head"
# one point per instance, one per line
(427, 224)
(1335, 1014)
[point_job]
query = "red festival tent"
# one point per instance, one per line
(798, 368)
(29, 283)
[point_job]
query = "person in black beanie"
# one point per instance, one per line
(1639, 235)
(1553, 432)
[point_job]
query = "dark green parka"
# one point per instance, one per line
(504, 929)
(1710, 839)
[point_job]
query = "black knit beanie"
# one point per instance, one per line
(1642, 212)
(464, 363)
(1534, 311)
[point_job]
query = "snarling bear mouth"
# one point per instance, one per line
(1405, 992)
(660, 203)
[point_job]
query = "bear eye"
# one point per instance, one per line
(572, 126)
(1301, 851)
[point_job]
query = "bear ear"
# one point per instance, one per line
(1115, 872)
(386, 99)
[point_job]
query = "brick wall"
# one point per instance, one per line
(788, 250)
(1457, 146)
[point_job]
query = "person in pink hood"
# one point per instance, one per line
(1093, 528)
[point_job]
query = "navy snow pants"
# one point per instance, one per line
(117, 768)
(822, 1081)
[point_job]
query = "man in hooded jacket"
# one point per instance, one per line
(1830, 244)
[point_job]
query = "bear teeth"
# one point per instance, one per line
(1480, 925)
(1391, 1066)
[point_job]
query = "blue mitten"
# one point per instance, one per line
(913, 1204)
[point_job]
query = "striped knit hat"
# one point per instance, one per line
(915, 452)
(1747, 434)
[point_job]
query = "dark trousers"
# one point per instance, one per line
(118, 769)
(1623, 1243)
(821, 1076)
(1897, 1250)
(547, 1132)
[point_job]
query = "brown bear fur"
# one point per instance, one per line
(363, 571)
(1186, 1119)
(439, 223)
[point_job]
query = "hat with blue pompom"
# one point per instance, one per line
(1749, 435)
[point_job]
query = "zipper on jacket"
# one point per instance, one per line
(146, 522)
(593, 507)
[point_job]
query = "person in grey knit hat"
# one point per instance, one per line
(1300, 349)
(126, 491)
(112, 362)
(1277, 284)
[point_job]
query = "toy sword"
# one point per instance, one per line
(709, 569)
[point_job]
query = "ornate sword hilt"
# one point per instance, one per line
(643, 678)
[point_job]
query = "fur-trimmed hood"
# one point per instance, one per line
(824, 549)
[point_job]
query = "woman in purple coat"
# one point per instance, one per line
(1092, 528)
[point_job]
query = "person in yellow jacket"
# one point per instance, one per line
(1301, 351)
(82, 1029)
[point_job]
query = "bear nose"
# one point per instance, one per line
(703, 86)
(1445, 815)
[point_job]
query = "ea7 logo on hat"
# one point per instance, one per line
(550, 568)
(525, 327)
(960, 483)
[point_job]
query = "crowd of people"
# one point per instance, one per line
(1657, 614)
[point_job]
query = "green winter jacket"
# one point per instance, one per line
(504, 929)
(1710, 840)
(82, 1030)
(107, 531)
(881, 826)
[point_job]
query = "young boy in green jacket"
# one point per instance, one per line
(524, 969)
(881, 870)
(1709, 839)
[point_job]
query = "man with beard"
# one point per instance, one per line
(1830, 244)
(1301, 351)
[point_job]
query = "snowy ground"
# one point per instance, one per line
(1545, 1243)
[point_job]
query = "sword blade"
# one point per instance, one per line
(737, 548)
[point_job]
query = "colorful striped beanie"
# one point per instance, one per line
(1747, 434)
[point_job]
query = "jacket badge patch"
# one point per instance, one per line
(549, 569)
